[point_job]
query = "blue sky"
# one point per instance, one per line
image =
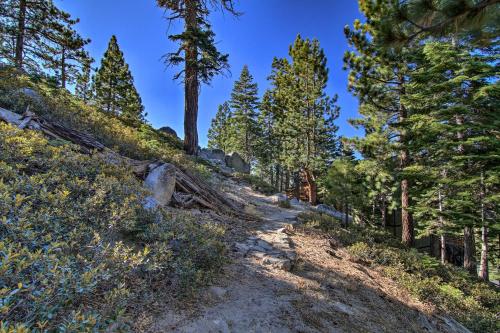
(265, 30)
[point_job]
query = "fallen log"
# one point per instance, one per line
(187, 191)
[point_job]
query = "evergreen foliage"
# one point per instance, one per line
(36, 33)
(432, 104)
(243, 125)
(219, 132)
(114, 86)
(84, 88)
(199, 54)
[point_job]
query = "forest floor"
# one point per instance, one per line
(284, 278)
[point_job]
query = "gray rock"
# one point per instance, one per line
(278, 197)
(265, 245)
(217, 292)
(279, 263)
(235, 161)
(213, 154)
(34, 95)
(161, 182)
(325, 209)
(295, 201)
(169, 130)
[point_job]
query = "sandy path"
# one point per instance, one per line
(287, 280)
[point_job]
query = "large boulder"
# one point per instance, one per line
(278, 197)
(325, 209)
(161, 182)
(235, 161)
(212, 154)
(169, 131)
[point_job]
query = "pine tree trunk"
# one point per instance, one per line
(484, 272)
(21, 30)
(287, 180)
(63, 69)
(441, 226)
(406, 218)
(296, 185)
(383, 214)
(442, 248)
(191, 84)
(312, 187)
(346, 215)
(469, 251)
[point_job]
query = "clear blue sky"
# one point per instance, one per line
(265, 30)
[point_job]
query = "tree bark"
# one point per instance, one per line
(483, 272)
(442, 248)
(312, 187)
(441, 225)
(346, 215)
(469, 250)
(407, 235)
(406, 218)
(296, 185)
(63, 69)
(383, 214)
(21, 30)
(191, 84)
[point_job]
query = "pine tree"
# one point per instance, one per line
(218, 134)
(84, 88)
(202, 61)
(439, 18)
(454, 122)
(306, 127)
(35, 32)
(65, 54)
(268, 144)
(379, 77)
(244, 103)
(114, 85)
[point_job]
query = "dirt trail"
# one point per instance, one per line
(286, 280)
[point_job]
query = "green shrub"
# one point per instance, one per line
(285, 204)
(257, 183)
(77, 246)
(139, 142)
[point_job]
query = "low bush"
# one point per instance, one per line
(473, 303)
(285, 204)
(142, 142)
(77, 248)
(257, 183)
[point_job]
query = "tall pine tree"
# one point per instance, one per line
(307, 129)
(202, 61)
(243, 125)
(379, 77)
(114, 85)
(219, 132)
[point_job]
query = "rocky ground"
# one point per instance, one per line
(285, 279)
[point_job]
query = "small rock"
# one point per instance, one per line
(265, 245)
(279, 197)
(240, 247)
(217, 292)
(279, 263)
